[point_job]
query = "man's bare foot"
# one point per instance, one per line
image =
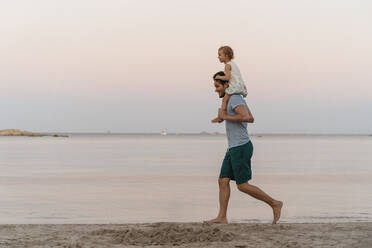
(217, 220)
(277, 209)
(217, 120)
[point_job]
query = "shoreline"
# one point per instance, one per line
(187, 235)
(16, 132)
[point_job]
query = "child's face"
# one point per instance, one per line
(222, 57)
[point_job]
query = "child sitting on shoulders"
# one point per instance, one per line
(233, 75)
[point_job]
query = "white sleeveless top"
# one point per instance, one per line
(236, 83)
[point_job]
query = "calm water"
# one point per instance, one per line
(151, 178)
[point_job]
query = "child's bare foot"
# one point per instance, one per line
(217, 120)
(277, 208)
(217, 220)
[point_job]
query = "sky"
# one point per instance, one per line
(142, 66)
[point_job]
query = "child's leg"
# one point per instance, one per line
(225, 99)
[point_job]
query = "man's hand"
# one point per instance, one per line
(221, 114)
(216, 120)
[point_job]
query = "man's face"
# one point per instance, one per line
(221, 56)
(220, 88)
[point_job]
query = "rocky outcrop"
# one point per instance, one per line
(58, 135)
(206, 133)
(17, 132)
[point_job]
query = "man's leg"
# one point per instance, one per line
(260, 195)
(224, 196)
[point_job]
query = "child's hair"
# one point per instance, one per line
(220, 73)
(227, 51)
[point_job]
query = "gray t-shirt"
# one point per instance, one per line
(236, 132)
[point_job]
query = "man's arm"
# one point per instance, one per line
(242, 115)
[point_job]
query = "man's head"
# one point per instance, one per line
(225, 54)
(220, 85)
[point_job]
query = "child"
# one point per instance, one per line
(232, 74)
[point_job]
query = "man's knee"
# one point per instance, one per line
(243, 187)
(223, 182)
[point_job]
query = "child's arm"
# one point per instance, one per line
(227, 73)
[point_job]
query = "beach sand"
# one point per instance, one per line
(237, 235)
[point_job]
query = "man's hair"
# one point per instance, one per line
(220, 73)
(227, 51)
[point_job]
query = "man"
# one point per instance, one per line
(237, 162)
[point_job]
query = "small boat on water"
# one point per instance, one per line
(164, 132)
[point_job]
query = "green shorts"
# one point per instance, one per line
(237, 163)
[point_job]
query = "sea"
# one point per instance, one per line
(144, 178)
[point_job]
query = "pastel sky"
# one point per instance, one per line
(141, 66)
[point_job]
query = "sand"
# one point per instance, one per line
(188, 235)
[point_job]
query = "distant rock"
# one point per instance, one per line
(204, 133)
(59, 135)
(17, 132)
(215, 133)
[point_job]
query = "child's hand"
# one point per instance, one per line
(218, 77)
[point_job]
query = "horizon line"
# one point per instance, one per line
(216, 133)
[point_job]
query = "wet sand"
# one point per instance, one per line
(235, 235)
